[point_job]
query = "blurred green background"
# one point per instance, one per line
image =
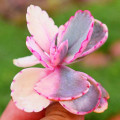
(13, 32)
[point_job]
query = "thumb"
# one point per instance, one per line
(56, 112)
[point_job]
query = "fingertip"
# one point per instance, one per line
(56, 112)
(13, 113)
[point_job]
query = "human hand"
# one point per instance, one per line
(53, 112)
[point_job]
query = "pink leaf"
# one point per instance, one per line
(26, 61)
(98, 38)
(102, 106)
(60, 53)
(87, 102)
(63, 84)
(41, 27)
(105, 94)
(22, 91)
(78, 32)
(43, 57)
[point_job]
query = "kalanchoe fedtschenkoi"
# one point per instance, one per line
(33, 89)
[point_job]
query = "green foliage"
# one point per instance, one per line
(12, 45)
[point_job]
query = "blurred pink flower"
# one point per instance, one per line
(115, 49)
(33, 89)
(96, 60)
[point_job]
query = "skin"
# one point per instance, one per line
(53, 112)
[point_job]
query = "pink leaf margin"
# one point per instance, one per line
(85, 42)
(100, 95)
(100, 43)
(37, 54)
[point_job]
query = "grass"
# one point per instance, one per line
(12, 45)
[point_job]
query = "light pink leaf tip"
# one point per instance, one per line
(41, 27)
(22, 91)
